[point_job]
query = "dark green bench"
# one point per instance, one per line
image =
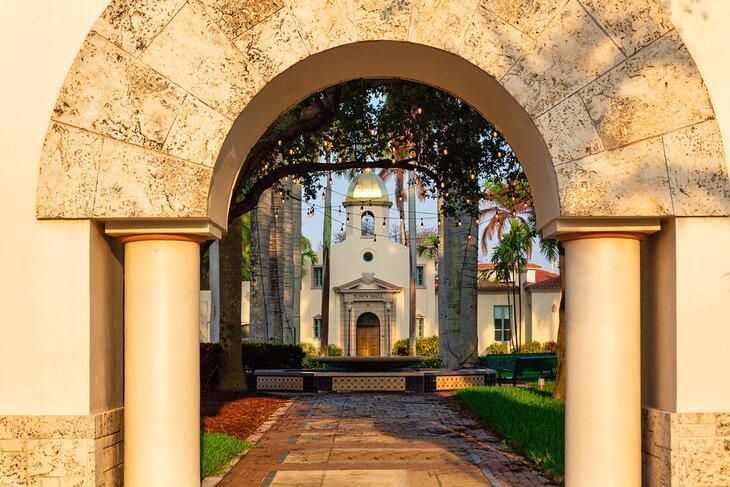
(521, 366)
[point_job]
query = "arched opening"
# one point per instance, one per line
(367, 224)
(368, 335)
(616, 172)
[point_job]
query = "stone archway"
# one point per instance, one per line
(604, 107)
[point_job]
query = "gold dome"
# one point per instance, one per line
(367, 187)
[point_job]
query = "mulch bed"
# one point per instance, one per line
(236, 414)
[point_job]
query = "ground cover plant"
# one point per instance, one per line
(528, 418)
(217, 450)
(227, 419)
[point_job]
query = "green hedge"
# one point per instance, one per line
(254, 356)
(425, 346)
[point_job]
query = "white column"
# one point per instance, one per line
(161, 361)
(603, 397)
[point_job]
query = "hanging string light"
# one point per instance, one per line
(495, 134)
(383, 222)
(419, 111)
(439, 221)
(421, 223)
(375, 238)
(347, 221)
(342, 230)
(361, 208)
(276, 213)
(324, 195)
(329, 180)
(370, 204)
(446, 152)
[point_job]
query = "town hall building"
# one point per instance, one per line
(369, 285)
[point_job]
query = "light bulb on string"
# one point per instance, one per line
(443, 185)
(458, 224)
(419, 111)
(499, 154)
(347, 221)
(375, 238)
(421, 223)
(495, 134)
(370, 204)
(439, 221)
(383, 222)
(361, 207)
(276, 214)
(324, 195)
(446, 152)
(329, 180)
(472, 176)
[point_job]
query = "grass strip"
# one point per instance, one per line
(529, 419)
(217, 450)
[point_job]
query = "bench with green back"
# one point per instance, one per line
(521, 366)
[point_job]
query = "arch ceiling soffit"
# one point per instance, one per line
(157, 85)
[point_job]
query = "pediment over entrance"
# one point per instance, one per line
(368, 282)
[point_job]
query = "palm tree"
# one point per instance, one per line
(503, 202)
(510, 259)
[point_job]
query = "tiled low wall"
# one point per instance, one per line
(62, 450)
(685, 449)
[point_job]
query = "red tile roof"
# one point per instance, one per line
(549, 283)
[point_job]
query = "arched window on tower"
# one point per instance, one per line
(367, 224)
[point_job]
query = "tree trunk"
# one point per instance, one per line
(468, 309)
(214, 257)
(260, 235)
(287, 263)
(275, 296)
(326, 243)
(231, 375)
(296, 211)
(412, 260)
(399, 203)
(453, 260)
(443, 275)
(559, 390)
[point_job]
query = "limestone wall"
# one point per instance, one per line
(685, 449)
(62, 450)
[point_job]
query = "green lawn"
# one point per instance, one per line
(216, 450)
(529, 419)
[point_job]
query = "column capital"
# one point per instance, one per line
(125, 239)
(568, 237)
(194, 227)
(564, 226)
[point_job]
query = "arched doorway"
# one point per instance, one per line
(158, 165)
(368, 335)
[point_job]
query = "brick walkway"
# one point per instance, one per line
(354, 440)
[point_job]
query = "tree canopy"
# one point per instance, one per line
(384, 124)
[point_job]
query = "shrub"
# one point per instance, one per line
(531, 346)
(309, 349)
(426, 346)
(210, 354)
(312, 350)
(497, 347)
(550, 346)
(271, 356)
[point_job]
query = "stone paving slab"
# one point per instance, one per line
(398, 440)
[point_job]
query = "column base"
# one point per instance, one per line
(685, 449)
(62, 450)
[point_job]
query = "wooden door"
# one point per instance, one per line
(368, 341)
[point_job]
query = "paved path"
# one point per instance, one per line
(353, 440)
